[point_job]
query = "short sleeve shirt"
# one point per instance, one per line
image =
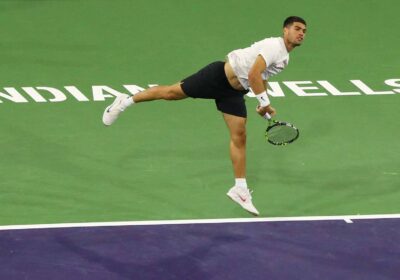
(274, 52)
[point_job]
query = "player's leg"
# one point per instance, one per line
(237, 131)
(173, 92)
(195, 86)
(239, 193)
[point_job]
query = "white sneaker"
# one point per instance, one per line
(242, 196)
(112, 112)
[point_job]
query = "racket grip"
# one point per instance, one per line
(267, 116)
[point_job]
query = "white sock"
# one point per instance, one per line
(128, 101)
(241, 182)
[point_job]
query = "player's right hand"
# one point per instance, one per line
(263, 110)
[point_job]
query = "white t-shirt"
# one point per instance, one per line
(274, 52)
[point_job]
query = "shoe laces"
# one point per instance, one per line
(246, 192)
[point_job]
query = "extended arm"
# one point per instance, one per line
(259, 86)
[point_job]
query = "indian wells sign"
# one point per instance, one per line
(276, 89)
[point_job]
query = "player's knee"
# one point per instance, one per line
(239, 137)
(171, 94)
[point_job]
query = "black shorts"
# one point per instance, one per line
(211, 83)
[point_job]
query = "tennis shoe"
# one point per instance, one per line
(242, 196)
(112, 112)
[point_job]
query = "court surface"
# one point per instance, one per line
(63, 62)
(348, 247)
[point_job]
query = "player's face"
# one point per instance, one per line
(295, 33)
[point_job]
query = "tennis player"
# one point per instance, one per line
(227, 83)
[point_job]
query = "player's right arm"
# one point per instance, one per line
(258, 86)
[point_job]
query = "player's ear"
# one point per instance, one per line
(285, 30)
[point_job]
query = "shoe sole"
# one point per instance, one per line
(253, 213)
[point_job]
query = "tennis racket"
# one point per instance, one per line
(280, 133)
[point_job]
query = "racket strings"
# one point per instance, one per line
(282, 133)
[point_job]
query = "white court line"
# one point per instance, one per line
(347, 219)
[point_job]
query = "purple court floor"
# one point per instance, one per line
(333, 249)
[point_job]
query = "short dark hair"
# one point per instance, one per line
(292, 19)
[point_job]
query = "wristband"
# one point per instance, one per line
(263, 99)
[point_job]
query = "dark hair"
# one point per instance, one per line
(292, 19)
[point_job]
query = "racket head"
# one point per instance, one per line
(281, 133)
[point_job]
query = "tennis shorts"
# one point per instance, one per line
(212, 83)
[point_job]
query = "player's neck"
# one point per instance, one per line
(289, 46)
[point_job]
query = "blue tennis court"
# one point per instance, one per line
(315, 249)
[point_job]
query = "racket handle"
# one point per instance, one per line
(267, 116)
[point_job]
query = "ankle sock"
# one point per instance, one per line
(128, 101)
(241, 182)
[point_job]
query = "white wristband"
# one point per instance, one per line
(263, 99)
